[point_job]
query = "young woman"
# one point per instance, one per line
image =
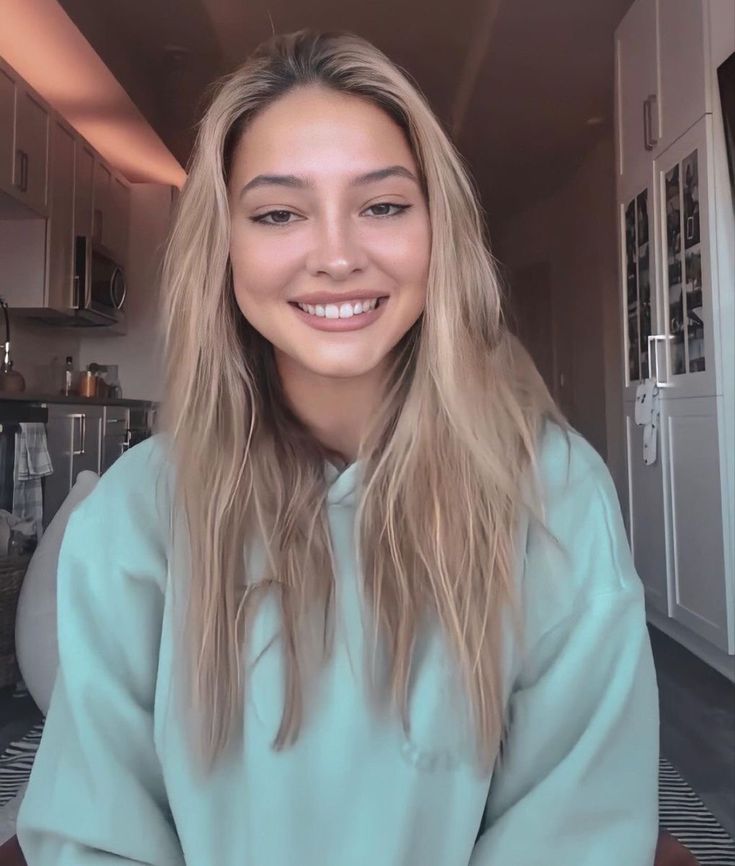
(365, 599)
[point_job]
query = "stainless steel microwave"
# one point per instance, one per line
(99, 284)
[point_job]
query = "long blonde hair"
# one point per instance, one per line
(445, 457)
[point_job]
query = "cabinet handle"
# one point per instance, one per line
(82, 435)
(649, 141)
(653, 356)
(21, 161)
(690, 228)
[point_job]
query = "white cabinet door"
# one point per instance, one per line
(645, 519)
(692, 488)
(641, 307)
(636, 88)
(684, 182)
(682, 67)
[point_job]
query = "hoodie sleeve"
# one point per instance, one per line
(578, 779)
(96, 794)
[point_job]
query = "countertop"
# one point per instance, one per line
(36, 397)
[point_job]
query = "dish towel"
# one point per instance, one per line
(646, 415)
(32, 463)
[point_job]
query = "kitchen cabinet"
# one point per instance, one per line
(690, 296)
(83, 188)
(674, 322)
(645, 518)
(74, 437)
(30, 179)
(24, 142)
(115, 435)
(60, 230)
(119, 219)
(662, 85)
(101, 220)
(640, 266)
(692, 490)
(111, 211)
(636, 80)
(88, 436)
(58, 187)
(7, 130)
(682, 60)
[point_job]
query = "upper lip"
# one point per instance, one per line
(326, 298)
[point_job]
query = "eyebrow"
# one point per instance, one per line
(295, 182)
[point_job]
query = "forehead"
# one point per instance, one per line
(317, 131)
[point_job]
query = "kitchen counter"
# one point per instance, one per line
(33, 397)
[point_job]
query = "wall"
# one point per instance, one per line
(138, 353)
(571, 234)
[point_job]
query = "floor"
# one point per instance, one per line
(697, 724)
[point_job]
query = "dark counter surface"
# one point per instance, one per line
(34, 397)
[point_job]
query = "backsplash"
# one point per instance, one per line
(32, 349)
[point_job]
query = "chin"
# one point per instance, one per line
(336, 364)
(339, 370)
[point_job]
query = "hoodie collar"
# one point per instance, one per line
(343, 483)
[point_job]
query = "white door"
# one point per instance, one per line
(683, 178)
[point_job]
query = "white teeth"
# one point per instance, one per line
(343, 311)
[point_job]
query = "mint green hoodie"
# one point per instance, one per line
(114, 782)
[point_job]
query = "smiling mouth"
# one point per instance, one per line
(345, 310)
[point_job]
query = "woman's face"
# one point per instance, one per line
(326, 209)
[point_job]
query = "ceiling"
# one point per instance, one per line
(524, 86)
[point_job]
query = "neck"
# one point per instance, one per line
(336, 410)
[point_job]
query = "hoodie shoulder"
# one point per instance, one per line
(581, 552)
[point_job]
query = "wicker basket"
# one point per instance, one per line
(12, 571)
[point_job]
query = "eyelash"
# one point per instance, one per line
(402, 208)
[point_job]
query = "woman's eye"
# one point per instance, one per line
(277, 221)
(386, 204)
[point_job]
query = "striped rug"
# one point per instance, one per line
(681, 811)
(685, 816)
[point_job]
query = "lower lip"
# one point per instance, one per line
(353, 323)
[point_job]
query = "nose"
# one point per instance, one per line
(336, 250)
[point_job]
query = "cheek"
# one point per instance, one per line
(407, 256)
(256, 270)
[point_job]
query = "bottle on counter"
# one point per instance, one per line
(69, 376)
